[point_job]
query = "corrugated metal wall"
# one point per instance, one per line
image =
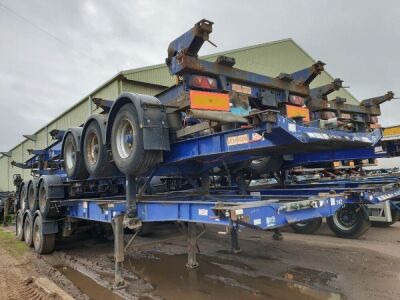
(16, 155)
(268, 59)
(141, 88)
(158, 75)
(110, 91)
(4, 173)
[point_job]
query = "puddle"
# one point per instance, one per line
(260, 256)
(86, 285)
(310, 276)
(171, 280)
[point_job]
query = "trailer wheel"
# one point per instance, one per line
(19, 226)
(307, 227)
(127, 143)
(28, 231)
(43, 243)
(44, 203)
(395, 217)
(73, 162)
(95, 154)
(264, 165)
(32, 196)
(23, 196)
(350, 221)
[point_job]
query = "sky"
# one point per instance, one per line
(53, 52)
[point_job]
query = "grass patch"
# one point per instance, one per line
(9, 243)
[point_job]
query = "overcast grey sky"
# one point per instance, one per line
(87, 42)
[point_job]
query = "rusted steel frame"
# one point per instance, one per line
(193, 65)
(307, 75)
(324, 90)
(378, 100)
(191, 41)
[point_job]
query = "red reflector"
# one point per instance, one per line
(203, 82)
(296, 100)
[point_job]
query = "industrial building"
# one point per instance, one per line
(269, 59)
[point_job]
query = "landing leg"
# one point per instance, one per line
(131, 195)
(131, 220)
(117, 224)
(192, 246)
(234, 231)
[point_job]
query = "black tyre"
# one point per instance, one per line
(19, 226)
(73, 159)
(23, 196)
(350, 221)
(127, 147)
(395, 217)
(32, 196)
(307, 227)
(28, 231)
(264, 165)
(44, 203)
(95, 155)
(43, 243)
(50, 189)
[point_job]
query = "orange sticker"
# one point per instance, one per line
(209, 101)
(296, 111)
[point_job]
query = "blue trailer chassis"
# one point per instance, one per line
(253, 211)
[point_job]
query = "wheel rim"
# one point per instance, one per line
(301, 224)
(70, 155)
(31, 197)
(27, 231)
(36, 235)
(124, 139)
(42, 198)
(345, 219)
(19, 224)
(92, 151)
(22, 198)
(257, 161)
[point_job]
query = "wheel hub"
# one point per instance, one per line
(93, 149)
(345, 219)
(42, 197)
(70, 155)
(36, 234)
(124, 139)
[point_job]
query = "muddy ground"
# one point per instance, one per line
(318, 266)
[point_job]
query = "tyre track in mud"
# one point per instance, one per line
(13, 288)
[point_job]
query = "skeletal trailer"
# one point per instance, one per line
(151, 159)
